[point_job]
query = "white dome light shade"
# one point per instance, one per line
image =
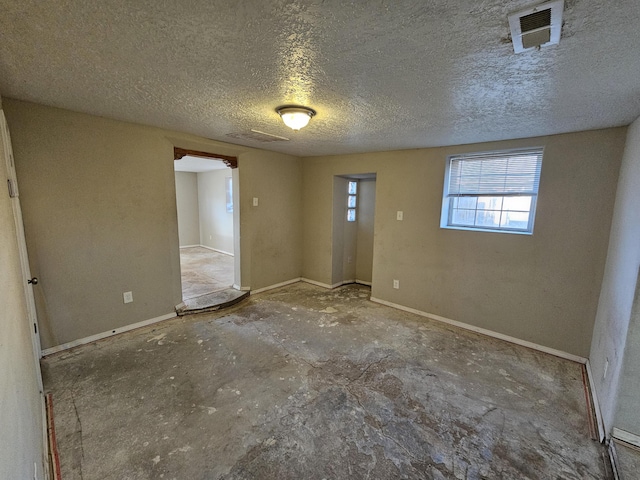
(295, 117)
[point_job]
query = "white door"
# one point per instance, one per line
(28, 283)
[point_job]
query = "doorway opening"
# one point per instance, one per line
(354, 201)
(207, 211)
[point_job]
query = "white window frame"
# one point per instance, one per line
(447, 198)
(355, 196)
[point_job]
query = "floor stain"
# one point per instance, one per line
(262, 391)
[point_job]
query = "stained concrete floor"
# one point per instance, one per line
(306, 383)
(204, 271)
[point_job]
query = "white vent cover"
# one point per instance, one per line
(258, 136)
(538, 26)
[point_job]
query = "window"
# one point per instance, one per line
(352, 190)
(229, 193)
(493, 192)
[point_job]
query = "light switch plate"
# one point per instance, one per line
(255, 201)
(127, 297)
(399, 215)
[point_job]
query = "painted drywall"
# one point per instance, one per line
(270, 234)
(99, 207)
(349, 249)
(627, 415)
(366, 217)
(620, 281)
(352, 242)
(216, 224)
(21, 443)
(541, 288)
(337, 230)
(344, 233)
(187, 208)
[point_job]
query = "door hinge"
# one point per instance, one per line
(13, 188)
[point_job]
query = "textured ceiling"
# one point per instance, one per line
(382, 75)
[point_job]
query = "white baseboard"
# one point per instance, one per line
(484, 331)
(216, 250)
(241, 289)
(627, 437)
(363, 282)
(277, 285)
(189, 246)
(596, 404)
(110, 333)
(180, 306)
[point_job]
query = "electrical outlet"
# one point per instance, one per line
(210, 237)
(606, 367)
(255, 201)
(399, 215)
(127, 297)
(349, 259)
(396, 284)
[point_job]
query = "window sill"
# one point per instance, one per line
(485, 230)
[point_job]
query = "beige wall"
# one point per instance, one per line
(366, 217)
(541, 288)
(350, 249)
(344, 236)
(615, 307)
(352, 242)
(21, 421)
(216, 224)
(187, 207)
(270, 237)
(337, 230)
(99, 207)
(627, 416)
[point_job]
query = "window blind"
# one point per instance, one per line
(510, 173)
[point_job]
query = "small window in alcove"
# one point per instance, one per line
(352, 201)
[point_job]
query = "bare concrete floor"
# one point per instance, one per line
(306, 383)
(204, 271)
(628, 461)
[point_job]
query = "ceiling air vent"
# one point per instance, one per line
(258, 136)
(539, 26)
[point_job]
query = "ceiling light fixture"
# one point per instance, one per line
(295, 117)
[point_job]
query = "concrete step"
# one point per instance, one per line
(211, 302)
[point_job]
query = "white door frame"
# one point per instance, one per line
(7, 152)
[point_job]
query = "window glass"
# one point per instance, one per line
(494, 191)
(352, 190)
(229, 194)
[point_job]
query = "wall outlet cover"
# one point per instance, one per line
(127, 297)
